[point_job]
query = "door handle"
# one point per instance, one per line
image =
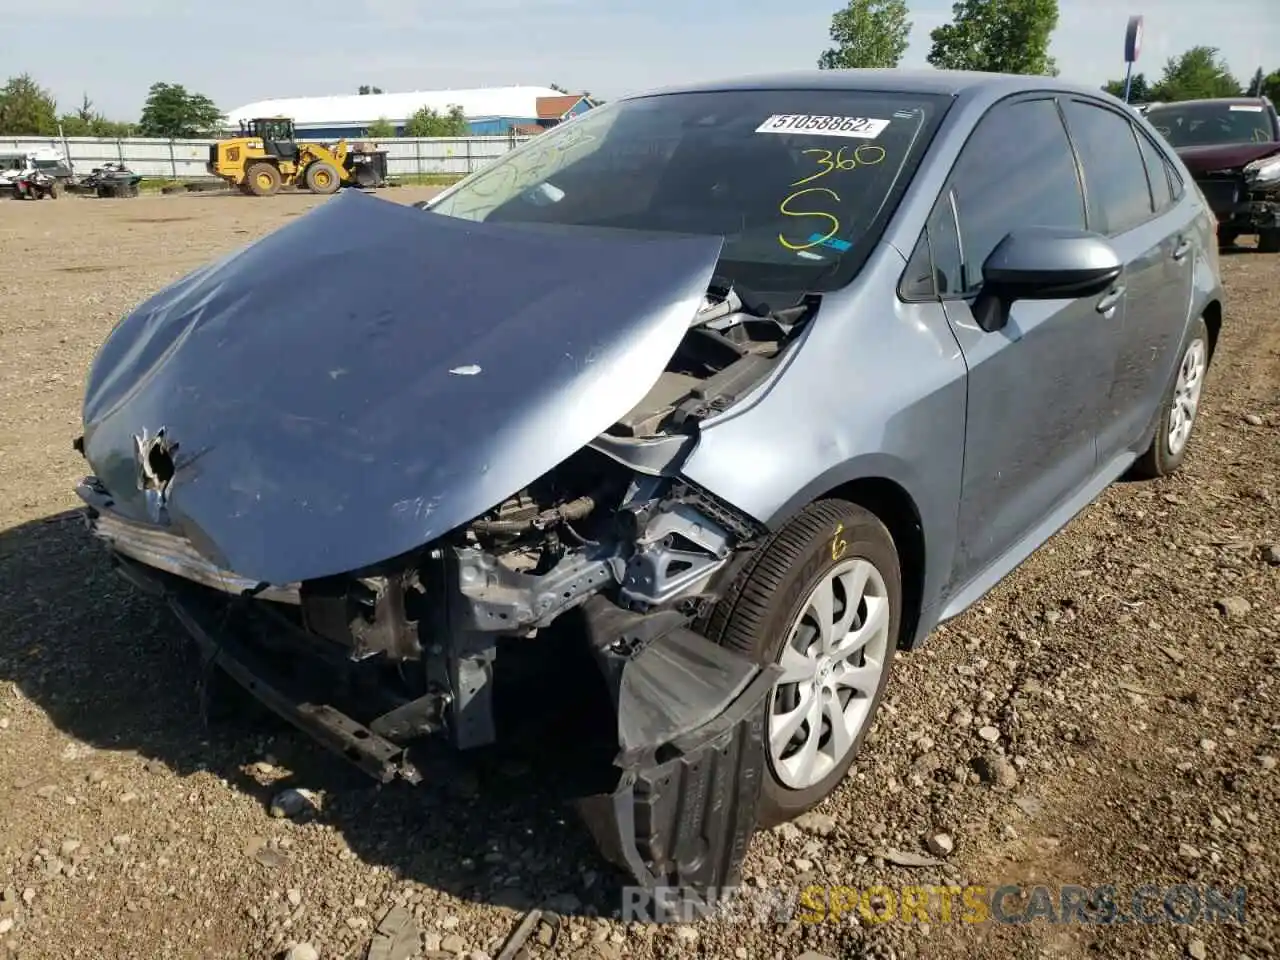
(1108, 302)
(1183, 248)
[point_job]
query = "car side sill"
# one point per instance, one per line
(1035, 538)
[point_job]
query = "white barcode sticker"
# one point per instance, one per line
(854, 128)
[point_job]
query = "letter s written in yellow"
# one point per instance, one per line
(814, 902)
(977, 910)
(785, 209)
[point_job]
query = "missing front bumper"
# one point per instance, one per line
(690, 719)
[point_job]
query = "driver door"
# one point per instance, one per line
(1036, 388)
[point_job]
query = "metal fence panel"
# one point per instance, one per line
(185, 159)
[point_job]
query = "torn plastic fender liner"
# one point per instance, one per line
(691, 731)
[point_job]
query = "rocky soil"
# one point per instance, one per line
(1108, 715)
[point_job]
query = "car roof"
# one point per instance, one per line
(1241, 101)
(955, 83)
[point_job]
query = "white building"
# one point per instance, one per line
(491, 111)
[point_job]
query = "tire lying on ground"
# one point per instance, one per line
(822, 598)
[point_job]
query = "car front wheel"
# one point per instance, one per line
(823, 599)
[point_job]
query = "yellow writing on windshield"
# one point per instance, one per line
(828, 161)
(866, 155)
(785, 209)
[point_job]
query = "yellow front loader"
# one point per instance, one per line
(267, 156)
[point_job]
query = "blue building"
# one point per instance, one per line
(490, 111)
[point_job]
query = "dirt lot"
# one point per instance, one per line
(1130, 670)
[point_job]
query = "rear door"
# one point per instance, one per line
(1130, 201)
(1036, 387)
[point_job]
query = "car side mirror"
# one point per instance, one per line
(1044, 263)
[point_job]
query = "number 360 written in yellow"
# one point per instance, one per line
(866, 155)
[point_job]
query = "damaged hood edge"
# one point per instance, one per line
(372, 376)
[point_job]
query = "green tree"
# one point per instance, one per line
(427, 123)
(365, 90)
(1139, 90)
(381, 129)
(27, 109)
(171, 111)
(1255, 85)
(88, 122)
(1271, 86)
(867, 33)
(1198, 73)
(1001, 36)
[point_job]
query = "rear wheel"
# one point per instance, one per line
(321, 177)
(1269, 241)
(823, 599)
(1178, 410)
(1227, 238)
(263, 179)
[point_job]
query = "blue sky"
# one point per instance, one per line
(235, 52)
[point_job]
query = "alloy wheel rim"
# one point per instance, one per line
(1186, 396)
(832, 664)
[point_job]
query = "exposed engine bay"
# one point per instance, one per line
(411, 643)
(647, 541)
(731, 346)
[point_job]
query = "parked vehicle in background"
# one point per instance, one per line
(111, 180)
(32, 184)
(268, 156)
(736, 388)
(1232, 148)
(52, 163)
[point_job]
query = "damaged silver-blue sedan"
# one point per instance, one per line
(751, 384)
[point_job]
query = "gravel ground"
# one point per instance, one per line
(1108, 715)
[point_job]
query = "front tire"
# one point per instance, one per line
(1269, 241)
(1178, 409)
(822, 598)
(322, 178)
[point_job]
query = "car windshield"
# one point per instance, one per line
(1211, 124)
(798, 182)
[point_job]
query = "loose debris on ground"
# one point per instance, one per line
(1108, 715)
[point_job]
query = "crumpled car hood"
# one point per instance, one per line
(1227, 156)
(371, 376)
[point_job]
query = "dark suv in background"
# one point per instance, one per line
(1232, 148)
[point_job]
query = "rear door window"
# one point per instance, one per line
(1017, 170)
(1115, 176)
(1158, 174)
